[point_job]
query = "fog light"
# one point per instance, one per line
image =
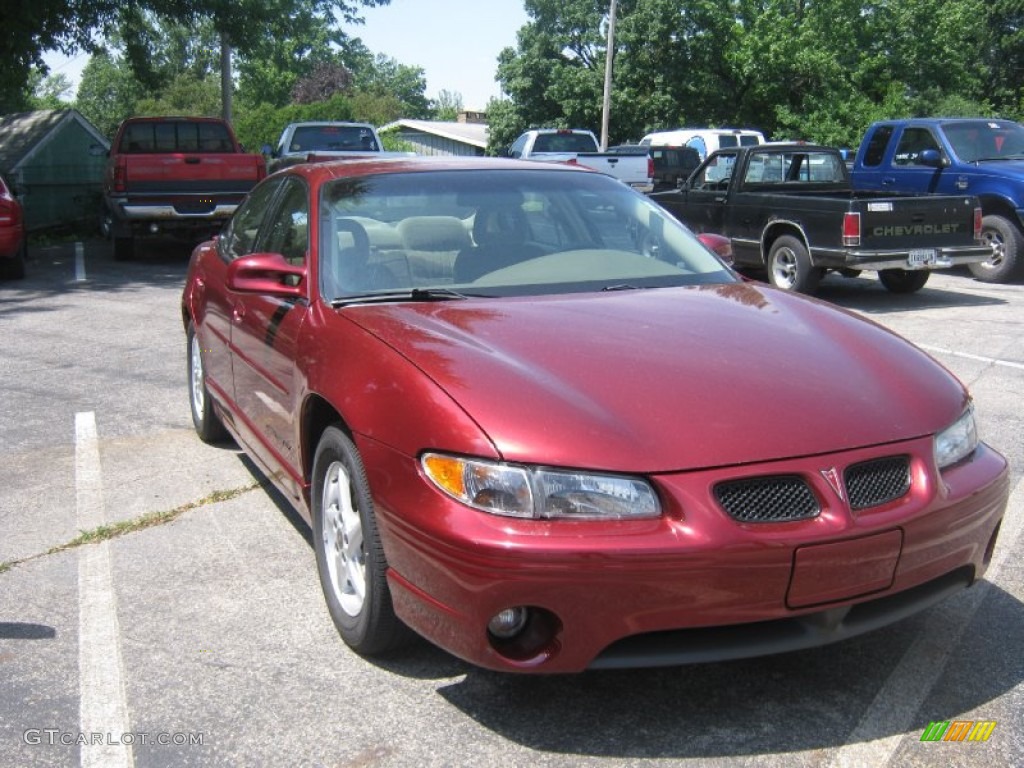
(154, 228)
(508, 623)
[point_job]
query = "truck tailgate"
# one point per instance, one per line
(191, 172)
(927, 221)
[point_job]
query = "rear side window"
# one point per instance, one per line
(175, 136)
(876, 145)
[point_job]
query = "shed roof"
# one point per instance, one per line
(22, 132)
(474, 134)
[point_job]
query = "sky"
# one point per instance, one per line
(455, 42)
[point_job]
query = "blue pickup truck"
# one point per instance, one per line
(967, 156)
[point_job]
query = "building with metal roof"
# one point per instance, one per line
(467, 136)
(54, 160)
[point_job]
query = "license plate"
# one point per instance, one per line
(922, 257)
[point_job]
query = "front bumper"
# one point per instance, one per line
(694, 585)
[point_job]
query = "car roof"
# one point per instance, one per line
(366, 166)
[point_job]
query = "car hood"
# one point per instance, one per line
(670, 379)
(1013, 169)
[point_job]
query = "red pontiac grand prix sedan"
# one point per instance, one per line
(531, 417)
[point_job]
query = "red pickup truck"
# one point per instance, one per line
(177, 177)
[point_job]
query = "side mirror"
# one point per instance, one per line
(98, 150)
(933, 158)
(719, 245)
(267, 273)
(266, 149)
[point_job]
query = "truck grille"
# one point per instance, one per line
(774, 499)
(876, 482)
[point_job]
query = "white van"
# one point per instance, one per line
(704, 140)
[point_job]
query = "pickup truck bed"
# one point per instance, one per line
(790, 209)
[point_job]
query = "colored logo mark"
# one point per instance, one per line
(959, 730)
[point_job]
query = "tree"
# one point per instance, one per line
(30, 28)
(49, 91)
(108, 92)
(447, 106)
(324, 81)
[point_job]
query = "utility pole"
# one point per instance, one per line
(226, 81)
(606, 107)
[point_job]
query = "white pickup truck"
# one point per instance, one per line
(326, 140)
(580, 147)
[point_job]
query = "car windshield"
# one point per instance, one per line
(500, 233)
(976, 140)
(329, 138)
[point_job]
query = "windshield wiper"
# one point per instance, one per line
(622, 287)
(414, 294)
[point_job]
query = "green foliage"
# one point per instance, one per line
(50, 91)
(817, 70)
(107, 92)
(447, 106)
(186, 94)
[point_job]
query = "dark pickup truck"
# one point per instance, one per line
(790, 209)
(177, 177)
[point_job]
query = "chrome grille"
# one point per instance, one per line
(774, 499)
(876, 482)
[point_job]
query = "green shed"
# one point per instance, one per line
(54, 159)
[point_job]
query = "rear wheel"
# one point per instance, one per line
(204, 418)
(1006, 261)
(349, 555)
(790, 267)
(903, 280)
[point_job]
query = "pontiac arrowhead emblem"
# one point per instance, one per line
(832, 477)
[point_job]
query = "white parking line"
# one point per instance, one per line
(79, 263)
(979, 358)
(897, 702)
(103, 710)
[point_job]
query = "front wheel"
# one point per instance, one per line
(349, 555)
(208, 426)
(790, 266)
(903, 280)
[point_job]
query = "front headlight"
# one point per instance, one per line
(957, 441)
(532, 492)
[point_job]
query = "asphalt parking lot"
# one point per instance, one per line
(186, 626)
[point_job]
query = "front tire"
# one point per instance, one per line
(790, 267)
(903, 280)
(204, 418)
(1006, 262)
(349, 555)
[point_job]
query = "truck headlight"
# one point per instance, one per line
(540, 493)
(957, 441)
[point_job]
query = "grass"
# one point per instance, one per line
(123, 527)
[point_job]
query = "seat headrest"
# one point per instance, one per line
(433, 233)
(505, 224)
